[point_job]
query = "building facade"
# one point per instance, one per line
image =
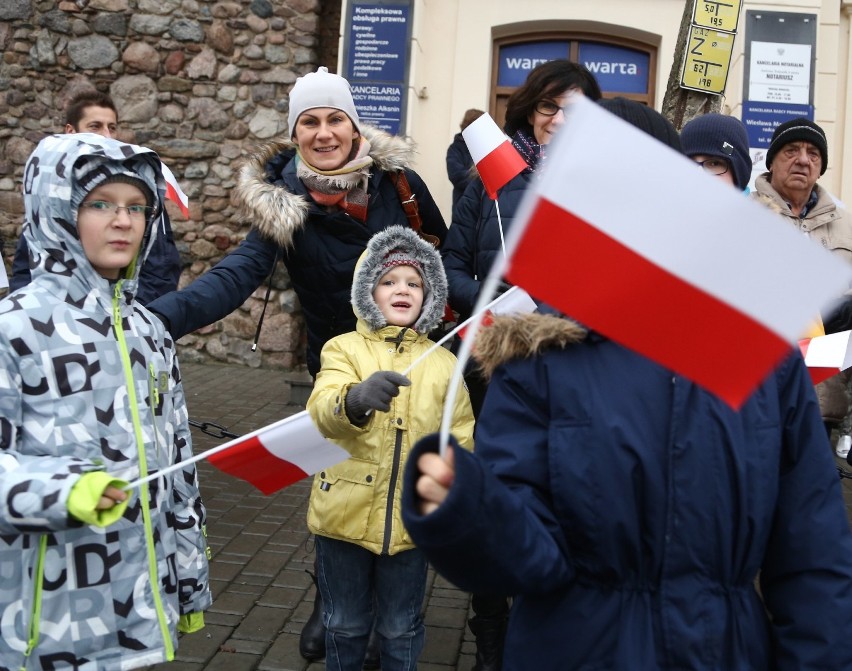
(204, 82)
(469, 53)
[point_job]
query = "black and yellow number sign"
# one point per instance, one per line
(708, 58)
(717, 14)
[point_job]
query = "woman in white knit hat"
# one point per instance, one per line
(314, 199)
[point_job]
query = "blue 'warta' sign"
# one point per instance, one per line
(516, 60)
(617, 69)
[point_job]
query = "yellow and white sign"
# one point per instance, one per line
(708, 58)
(717, 14)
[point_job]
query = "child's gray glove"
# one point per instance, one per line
(374, 393)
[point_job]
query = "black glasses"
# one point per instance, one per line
(715, 166)
(107, 209)
(548, 108)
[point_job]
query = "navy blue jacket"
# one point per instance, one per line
(630, 513)
(319, 247)
(159, 274)
(473, 241)
(459, 166)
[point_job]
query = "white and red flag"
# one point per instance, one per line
(496, 159)
(630, 238)
(513, 301)
(173, 190)
(270, 458)
(827, 355)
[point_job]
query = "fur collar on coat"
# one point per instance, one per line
(523, 336)
(278, 213)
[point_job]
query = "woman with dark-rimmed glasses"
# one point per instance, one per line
(534, 113)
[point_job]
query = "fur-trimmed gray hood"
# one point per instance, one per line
(276, 212)
(521, 336)
(370, 268)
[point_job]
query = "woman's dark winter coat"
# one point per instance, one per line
(473, 241)
(633, 515)
(459, 166)
(319, 246)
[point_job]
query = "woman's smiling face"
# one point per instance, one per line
(325, 136)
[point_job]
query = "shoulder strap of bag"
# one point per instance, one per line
(410, 207)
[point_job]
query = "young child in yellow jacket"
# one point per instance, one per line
(362, 401)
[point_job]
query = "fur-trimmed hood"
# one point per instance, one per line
(278, 213)
(406, 243)
(521, 336)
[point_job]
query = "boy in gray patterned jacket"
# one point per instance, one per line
(92, 576)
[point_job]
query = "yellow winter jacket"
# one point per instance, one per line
(359, 499)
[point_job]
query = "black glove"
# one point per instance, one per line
(374, 393)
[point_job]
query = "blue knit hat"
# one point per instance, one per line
(719, 136)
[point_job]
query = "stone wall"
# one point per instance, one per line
(201, 82)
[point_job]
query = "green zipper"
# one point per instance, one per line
(35, 619)
(154, 397)
(143, 471)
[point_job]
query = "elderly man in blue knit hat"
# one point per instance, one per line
(797, 157)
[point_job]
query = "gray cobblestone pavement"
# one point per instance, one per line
(261, 546)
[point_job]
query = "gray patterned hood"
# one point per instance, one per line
(370, 269)
(57, 176)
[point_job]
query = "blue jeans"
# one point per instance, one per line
(352, 582)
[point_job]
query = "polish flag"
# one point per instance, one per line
(513, 301)
(278, 455)
(826, 355)
(270, 458)
(496, 159)
(174, 192)
(633, 240)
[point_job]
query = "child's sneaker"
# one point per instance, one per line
(843, 445)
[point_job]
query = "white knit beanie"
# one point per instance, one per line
(320, 89)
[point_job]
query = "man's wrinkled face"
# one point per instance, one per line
(795, 169)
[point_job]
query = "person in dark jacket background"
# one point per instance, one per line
(534, 112)
(629, 512)
(91, 111)
(459, 160)
(314, 200)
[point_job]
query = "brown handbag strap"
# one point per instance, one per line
(410, 207)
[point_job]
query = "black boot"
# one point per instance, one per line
(312, 638)
(490, 633)
(372, 659)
